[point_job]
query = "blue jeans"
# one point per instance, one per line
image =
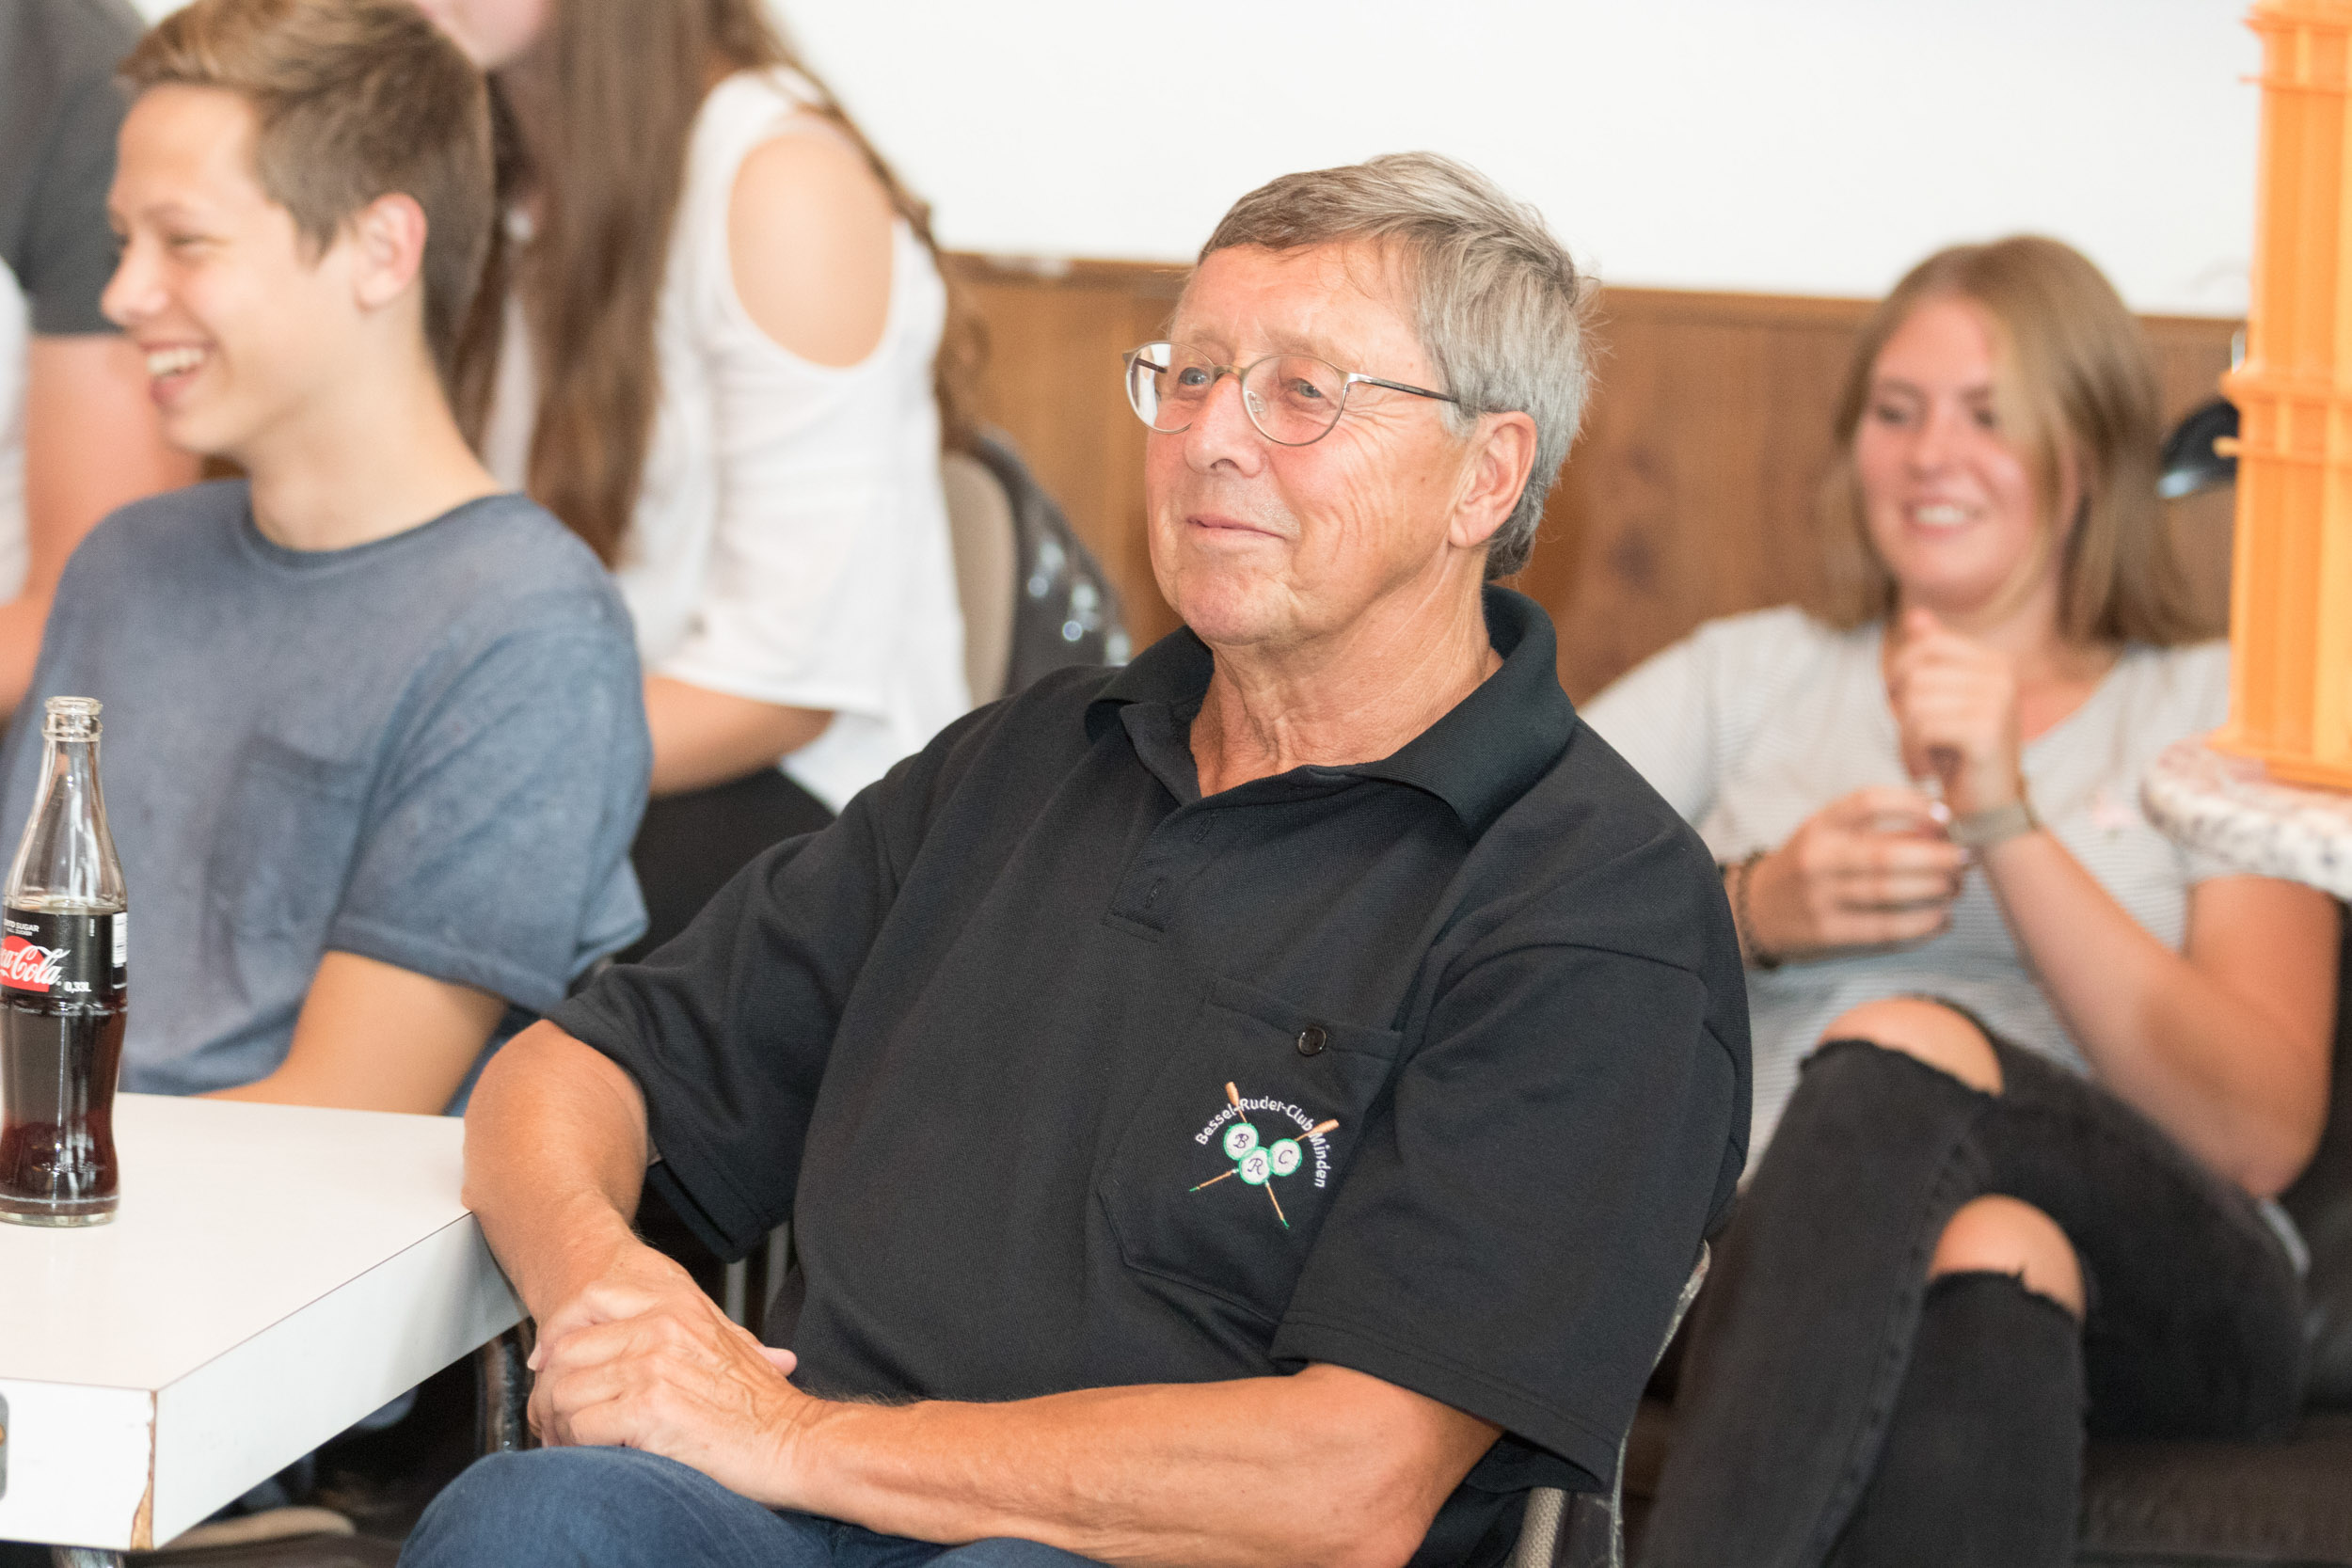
(618, 1508)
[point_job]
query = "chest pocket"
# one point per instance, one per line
(283, 852)
(1223, 1179)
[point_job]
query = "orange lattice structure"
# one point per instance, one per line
(2291, 589)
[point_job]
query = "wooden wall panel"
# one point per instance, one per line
(1690, 494)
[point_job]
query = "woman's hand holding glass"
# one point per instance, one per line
(1868, 869)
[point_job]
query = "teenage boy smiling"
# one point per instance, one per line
(374, 748)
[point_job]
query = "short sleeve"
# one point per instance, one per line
(1511, 1241)
(68, 248)
(1660, 717)
(1689, 717)
(497, 852)
(728, 1029)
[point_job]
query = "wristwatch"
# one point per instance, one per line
(1981, 829)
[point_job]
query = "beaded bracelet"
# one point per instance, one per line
(1743, 873)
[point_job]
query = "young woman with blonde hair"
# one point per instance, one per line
(2052, 1067)
(709, 340)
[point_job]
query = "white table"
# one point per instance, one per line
(275, 1274)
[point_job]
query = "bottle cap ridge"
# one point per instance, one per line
(70, 717)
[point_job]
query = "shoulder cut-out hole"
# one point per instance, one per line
(809, 235)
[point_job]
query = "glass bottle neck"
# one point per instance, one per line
(66, 860)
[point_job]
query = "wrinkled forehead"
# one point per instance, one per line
(1348, 302)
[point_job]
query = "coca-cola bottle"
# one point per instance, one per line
(64, 939)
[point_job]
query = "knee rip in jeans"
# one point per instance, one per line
(1926, 1031)
(2002, 1235)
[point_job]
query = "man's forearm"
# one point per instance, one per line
(555, 1156)
(1328, 1466)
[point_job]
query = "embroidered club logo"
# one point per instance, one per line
(1258, 1162)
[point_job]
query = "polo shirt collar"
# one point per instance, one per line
(1483, 753)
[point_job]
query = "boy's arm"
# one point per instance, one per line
(488, 868)
(373, 1037)
(502, 825)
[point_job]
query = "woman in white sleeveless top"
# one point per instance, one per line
(706, 342)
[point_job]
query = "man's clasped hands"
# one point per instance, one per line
(638, 1356)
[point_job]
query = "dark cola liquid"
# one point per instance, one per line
(62, 1009)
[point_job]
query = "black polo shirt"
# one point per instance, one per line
(1434, 1067)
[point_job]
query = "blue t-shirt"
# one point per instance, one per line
(429, 750)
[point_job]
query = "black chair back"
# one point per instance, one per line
(1065, 610)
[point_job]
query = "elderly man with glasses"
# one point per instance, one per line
(1254, 1107)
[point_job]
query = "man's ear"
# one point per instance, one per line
(387, 239)
(1502, 455)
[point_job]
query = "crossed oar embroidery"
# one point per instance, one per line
(1259, 1163)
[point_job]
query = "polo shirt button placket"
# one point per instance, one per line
(1312, 1040)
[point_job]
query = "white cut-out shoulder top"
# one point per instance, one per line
(791, 538)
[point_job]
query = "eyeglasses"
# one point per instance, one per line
(1293, 399)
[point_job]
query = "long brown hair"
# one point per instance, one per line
(606, 172)
(2073, 381)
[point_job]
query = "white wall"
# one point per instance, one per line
(1805, 145)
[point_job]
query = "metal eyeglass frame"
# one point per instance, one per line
(1348, 381)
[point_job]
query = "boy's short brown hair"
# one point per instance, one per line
(355, 100)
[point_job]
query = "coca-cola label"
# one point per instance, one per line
(63, 955)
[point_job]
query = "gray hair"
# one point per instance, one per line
(1496, 301)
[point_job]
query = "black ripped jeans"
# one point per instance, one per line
(1836, 1408)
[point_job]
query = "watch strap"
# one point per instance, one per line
(1983, 829)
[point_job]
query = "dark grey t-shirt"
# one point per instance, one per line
(60, 109)
(430, 750)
